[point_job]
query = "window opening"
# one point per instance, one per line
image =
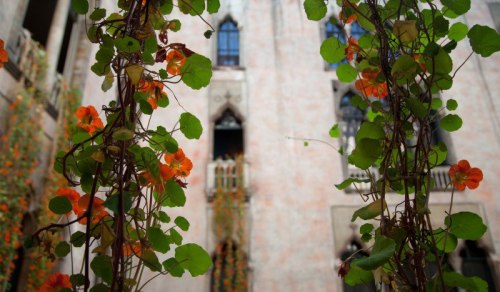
(70, 21)
(352, 117)
(227, 254)
(38, 19)
(228, 136)
(228, 44)
(357, 31)
(475, 263)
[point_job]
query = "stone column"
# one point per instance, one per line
(55, 39)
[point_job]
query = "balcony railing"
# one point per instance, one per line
(439, 174)
(224, 174)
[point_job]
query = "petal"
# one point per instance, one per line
(459, 186)
(471, 184)
(475, 174)
(464, 165)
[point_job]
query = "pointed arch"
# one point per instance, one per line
(228, 43)
(228, 135)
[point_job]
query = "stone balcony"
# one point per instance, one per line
(225, 174)
(439, 174)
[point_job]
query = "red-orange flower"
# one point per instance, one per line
(55, 282)
(175, 61)
(73, 196)
(369, 86)
(348, 9)
(130, 249)
(88, 119)
(462, 175)
(98, 210)
(4, 56)
(352, 48)
(155, 91)
(166, 173)
(179, 163)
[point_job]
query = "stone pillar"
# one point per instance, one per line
(55, 39)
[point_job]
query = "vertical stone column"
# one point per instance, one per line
(55, 39)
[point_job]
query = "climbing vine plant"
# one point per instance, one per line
(398, 67)
(122, 176)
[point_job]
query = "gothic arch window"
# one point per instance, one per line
(475, 263)
(228, 136)
(228, 44)
(335, 30)
(351, 119)
(229, 272)
(354, 249)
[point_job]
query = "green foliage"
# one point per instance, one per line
(358, 276)
(382, 251)
(159, 240)
(315, 9)
(334, 131)
(372, 210)
(346, 73)
(451, 122)
(466, 225)
(473, 284)
(60, 205)
(62, 249)
(173, 267)
(80, 6)
(346, 183)
(102, 267)
(193, 258)
(332, 50)
(197, 71)
(484, 40)
(190, 126)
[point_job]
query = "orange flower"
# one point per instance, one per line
(73, 196)
(55, 283)
(462, 175)
(352, 48)
(154, 89)
(132, 249)
(88, 119)
(369, 86)
(98, 211)
(4, 56)
(175, 61)
(348, 8)
(166, 173)
(179, 163)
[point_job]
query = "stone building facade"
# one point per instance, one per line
(270, 83)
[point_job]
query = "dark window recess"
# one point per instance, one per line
(228, 136)
(65, 44)
(335, 30)
(221, 257)
(228, 44)
(353, 248)
(475, 263)
(38, 19)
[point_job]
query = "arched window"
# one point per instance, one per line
(356, 30)
(353, 249)
(475, 263)
(335, 30)
(228, 44)
(351, 119)
(228, 136)
(229, 272)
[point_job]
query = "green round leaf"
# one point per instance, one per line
(159, 240)
(127, 44)
(80, 6)
(346, 73)
(193, 258)
(62, 249)
(97, 14)
(451, 123)
(458, 31)
(197, 71)
(382, 251)
(190, 126)
(182, 223)
(175, 193)
(102, 267)
(466, 225)
(60, 205)
(475, 284)
(484, 40)
(332, 50)
(151, 261)
(334, 131)
(213, 6)
(315, 9)
(451, 240)
(366, 228)
(77, 239)
(451, 104)
(173, 267)
(358, 276)
(458, 6)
